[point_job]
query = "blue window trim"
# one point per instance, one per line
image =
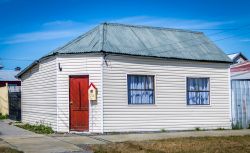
(129, 102)
(187, 90)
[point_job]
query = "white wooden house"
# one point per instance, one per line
(147, 79)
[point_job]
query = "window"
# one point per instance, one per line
(140, 89)
(198, 91)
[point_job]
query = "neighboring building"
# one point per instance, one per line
(147, 79)
(240, 76)
(237, 58)
(8, 83)
(8, 76)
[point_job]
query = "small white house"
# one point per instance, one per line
(141, 79)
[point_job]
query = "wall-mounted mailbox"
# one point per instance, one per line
(92, 92)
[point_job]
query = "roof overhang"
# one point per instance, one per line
(115, 53)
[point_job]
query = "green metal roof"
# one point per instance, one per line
(145, 41)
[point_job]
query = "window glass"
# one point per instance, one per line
(198, 91)
(140, 89)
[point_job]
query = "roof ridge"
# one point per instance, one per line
(151, 27)
(104, 26)
(76, 39)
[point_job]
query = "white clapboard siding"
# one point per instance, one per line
(39, 94)
(79, 65)
(170, 111)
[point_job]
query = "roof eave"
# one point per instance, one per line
(174, 58)
(26, 69)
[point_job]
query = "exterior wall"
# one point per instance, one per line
(4, 102)
(85, 64)
(170, 111)
(39, 93)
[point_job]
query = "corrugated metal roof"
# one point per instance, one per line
(232, 56)
(145, 41)
(8, 75)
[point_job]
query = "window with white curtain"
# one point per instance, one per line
(198, 91)
(140, 89)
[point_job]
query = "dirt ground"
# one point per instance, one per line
(232, 144)
(9, 150)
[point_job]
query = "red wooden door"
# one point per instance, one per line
(79, 105)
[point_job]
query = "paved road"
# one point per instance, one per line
(30, 142)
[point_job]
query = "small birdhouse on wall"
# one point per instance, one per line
(92, 92)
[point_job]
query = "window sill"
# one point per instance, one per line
(199, 105)
(140, 105)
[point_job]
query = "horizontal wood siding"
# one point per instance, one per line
(79, 65)
(170, 111)
(39, 94)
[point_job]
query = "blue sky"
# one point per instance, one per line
(32, 28)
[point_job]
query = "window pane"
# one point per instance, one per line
(134, 82)
(204, 98)
(192, 84)
(147, 97)
(135, 97)
(192, 98)
(149, 82)
(203, 84)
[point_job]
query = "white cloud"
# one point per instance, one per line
(59, 23)
(172, 23)
(50, 31)
(37, 36)
(68, 29)
(64, 24)
(245, 40)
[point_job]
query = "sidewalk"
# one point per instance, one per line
(79, 139)
(30, 142)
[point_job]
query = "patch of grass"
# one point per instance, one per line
(220, 128)
(163, 130)
(197, 129)
(2, 117)
(37, 128)
(9, 150)
(232, 144)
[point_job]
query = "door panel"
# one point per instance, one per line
(78, 102)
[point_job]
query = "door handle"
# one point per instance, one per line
(71, 102)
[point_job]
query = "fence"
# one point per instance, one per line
(14, 102)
